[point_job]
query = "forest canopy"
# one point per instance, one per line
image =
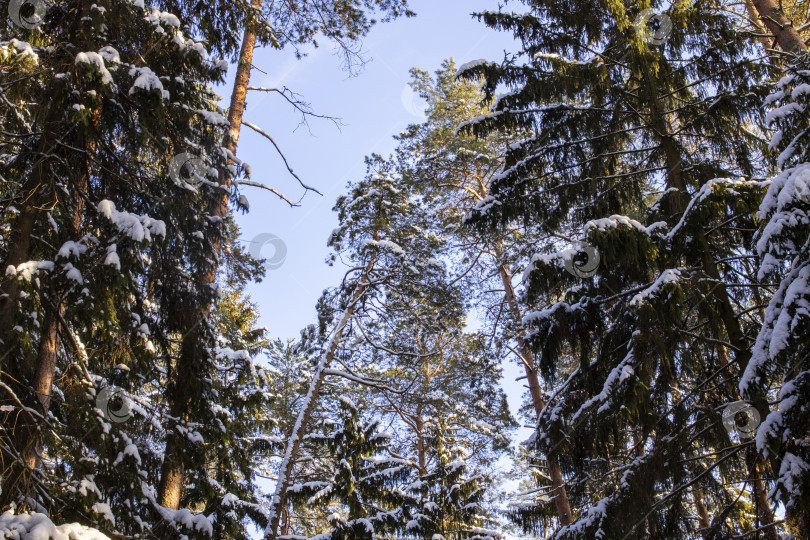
(620, 207)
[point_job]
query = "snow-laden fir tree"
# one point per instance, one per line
(451, 497)
(781, 358)
(646, 147)
(355, 480)
(105, 238)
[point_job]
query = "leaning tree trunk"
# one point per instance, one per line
(172, 477)
(279, 500)
(560, 495)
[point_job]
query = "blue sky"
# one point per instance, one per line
(373, 106)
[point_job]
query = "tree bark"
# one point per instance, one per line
(554, 471)
(704, 520)
(173, 470)
(760, 495)
(780, 26)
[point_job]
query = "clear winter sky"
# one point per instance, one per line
(374, 105)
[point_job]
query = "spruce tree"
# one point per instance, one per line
(358, 484)
(450, 499)
(646, 149)
(100, 256)
(780, 360)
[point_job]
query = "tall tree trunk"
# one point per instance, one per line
(279, 500)
(421, 458)
(780, 26)
(554, 471)
(173, 470)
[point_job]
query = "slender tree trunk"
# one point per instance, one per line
(279, 500)
(554, 471)
(19, 245)
(704, 520)
(420, 442)
(760, 496)
(172, 481)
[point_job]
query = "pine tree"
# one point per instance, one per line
(454, 171)
(389, 256)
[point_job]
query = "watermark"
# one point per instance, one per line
(187, 170)
(655, 27)
(574, 264)
(741, 417)
(279, 250)
(27, 14)
(106, 401)
(413, 102)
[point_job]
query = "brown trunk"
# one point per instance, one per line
(173, 469)
(760, 496)
(704, 520)
(420, 442)
(754, 18)
(46, 362)
(172, 472)
(554, 471)
(779, 25)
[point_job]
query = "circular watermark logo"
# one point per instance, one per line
(27, 14)
(413, 102)
(114, 404)
(279, 254)
(741, 417)
(187, 170)
(655, 27)
(582, 269)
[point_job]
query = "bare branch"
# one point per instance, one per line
(268, 188)
(263, 133)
